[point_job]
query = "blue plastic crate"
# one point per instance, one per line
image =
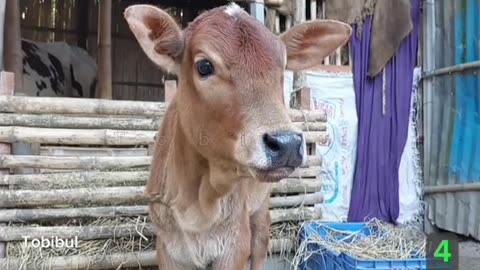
(321, 258)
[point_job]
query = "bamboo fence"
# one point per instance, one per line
(84, 189)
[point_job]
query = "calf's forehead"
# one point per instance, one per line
(237, 38)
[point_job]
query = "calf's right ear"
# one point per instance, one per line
(158, 34)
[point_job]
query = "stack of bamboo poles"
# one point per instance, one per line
(77, 188)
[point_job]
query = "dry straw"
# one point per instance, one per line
(31, 255)
(385, 242)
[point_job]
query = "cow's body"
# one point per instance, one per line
(57, 69)
(226, 134)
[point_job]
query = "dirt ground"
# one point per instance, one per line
(469, 252)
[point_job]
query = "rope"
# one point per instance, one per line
(384, 92)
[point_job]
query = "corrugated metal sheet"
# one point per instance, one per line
(452, 114)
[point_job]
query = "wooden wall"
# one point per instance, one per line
(135, 77)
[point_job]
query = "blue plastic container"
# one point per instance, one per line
(321, 258)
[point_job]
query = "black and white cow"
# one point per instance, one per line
(57, 69)
(54, 69)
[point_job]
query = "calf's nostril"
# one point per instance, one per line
(271, 142)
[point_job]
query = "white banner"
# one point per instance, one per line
(334, 93)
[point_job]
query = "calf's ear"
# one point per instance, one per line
(158, 34)
(309, 43)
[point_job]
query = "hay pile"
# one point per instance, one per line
(385, 242)
(100, 248)
(136, 242)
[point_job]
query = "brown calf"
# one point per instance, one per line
(226, 134)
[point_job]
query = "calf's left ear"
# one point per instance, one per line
(309, 43)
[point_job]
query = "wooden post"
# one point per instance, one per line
(105, 49)
(271, 18)
(288, 22)
(304, 98)
(7, 86)
(313, 10)
(277, 23)
(323, 16)
(12, 41)
(299, 78)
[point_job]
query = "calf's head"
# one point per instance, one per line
(230, 81)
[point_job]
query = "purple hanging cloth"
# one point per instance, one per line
(381, 137)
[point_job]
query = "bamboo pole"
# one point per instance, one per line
(107, 137)
(299, 77)
(83, 163)
(79, 196)
(103, 163)
(75, 151)
(295, 214)
(293, 185)
(303, 115)
(277, 23)
(96, 196)
(12, 42)
(77, 179)
(9, 234)
(104, 40)
(467, 187)
(338, 56)
(295, 201)
(76, 136)
(280, 245)
(66, 121)
(322, 13)
(105, 179)
(451, 70)
(6, 88)
(270, 22)
(137, 123)
(113, 261)
(57, 105)
(288, 22)
(313, 10)
(29, 215)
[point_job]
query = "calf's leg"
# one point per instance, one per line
(260, 228)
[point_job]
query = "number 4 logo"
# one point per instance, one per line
(443, 251)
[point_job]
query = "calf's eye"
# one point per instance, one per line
(204, 68)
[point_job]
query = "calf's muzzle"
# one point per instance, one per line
(284, 149)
